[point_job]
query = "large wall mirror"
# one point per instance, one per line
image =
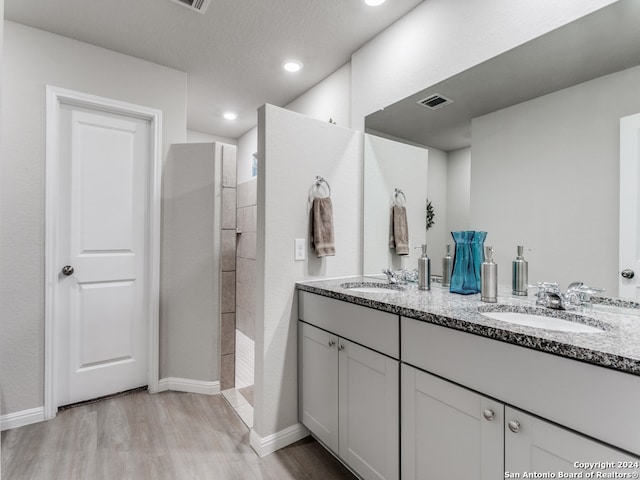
(526, 149)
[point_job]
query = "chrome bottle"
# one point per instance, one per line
(447, 267)
(489, 278)
(424, 270)
(520, 274)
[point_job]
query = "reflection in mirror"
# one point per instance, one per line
(392, 165)
(424, 175)
(539, 127)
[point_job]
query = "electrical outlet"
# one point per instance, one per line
(299, 250)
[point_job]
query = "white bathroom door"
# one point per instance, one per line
(103, 244)
(629, 264)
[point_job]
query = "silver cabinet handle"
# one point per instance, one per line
(627, 273)
(488, 414)
(67, 270)
(340, 346)
(332, 343)
(514, 426)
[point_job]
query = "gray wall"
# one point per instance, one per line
(190, 292)
(197, 319)
(545, 174)
(287, 168)
(33, 59)
(390, 165)
(437, 236)
(458, 191)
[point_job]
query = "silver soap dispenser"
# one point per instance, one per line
(447, 267)
(520, 274)
(489, 278)
(424, 270)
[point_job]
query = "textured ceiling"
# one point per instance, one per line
(232, 54)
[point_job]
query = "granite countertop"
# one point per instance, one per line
(617, 347)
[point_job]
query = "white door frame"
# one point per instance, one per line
(628, 228)
(55, 97)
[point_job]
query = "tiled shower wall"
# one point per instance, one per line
(228, 267)
(246, 257)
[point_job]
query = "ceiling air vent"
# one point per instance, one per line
(435, 101)
(199, 6)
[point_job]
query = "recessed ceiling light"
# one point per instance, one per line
(230, 115)
(373, 3)
(292, 66)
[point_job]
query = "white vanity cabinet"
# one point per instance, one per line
(395, 397)
(534, 445)
(348, 391)
(448, 431)
(567, 392)
(318, 389)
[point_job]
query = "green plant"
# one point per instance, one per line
(430, 215)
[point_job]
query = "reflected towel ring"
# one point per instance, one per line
(320, 182)
(399, 198)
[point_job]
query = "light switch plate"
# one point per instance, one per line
(299, 250)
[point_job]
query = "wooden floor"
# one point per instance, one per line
(169, 435)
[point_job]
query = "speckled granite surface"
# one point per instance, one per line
(616, 347)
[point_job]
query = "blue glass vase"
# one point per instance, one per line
(469, 255)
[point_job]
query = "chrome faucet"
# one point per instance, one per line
(549, 295)
(391, 277)
(578, 295)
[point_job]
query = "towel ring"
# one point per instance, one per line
(399, 198)
(319, 183)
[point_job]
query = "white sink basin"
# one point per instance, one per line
(371, 287)
(541, 321)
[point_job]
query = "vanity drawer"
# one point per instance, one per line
(596, 401)
(371, 328)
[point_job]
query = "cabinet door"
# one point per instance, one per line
(536, 446)
(318, 383)
(369, 411)
(449, 431)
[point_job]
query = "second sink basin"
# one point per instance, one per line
(538, 319)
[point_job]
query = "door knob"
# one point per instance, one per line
(488, 414)
(627, 273)
(514, 426)
(67, 270)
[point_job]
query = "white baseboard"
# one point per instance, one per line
(189, 386)
(22, 418)
(269, 444)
